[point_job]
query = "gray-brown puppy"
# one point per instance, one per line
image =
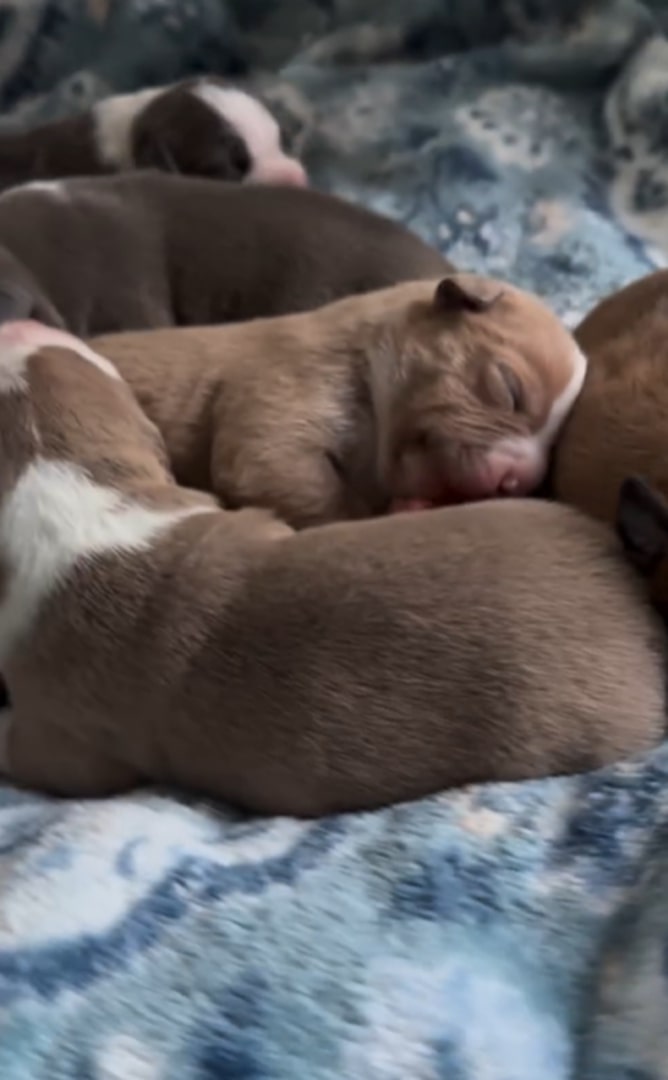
(145, 250)
(425, 393)
(199, 127)
(147, 636)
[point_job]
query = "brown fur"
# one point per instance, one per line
(618, 427)
(147, 250)
(334, 669)
(335, 413)
(63, 147)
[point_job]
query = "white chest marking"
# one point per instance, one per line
(55, 516)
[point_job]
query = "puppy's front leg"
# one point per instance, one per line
(300, 484)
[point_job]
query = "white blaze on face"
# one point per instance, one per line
(113, 119)
(525, 459)
(56, 516)
(260, 132)
(21, 339)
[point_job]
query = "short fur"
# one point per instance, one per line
(618, 427)
(148, 250)
(410, 393)
(146, 638)
(170, 127)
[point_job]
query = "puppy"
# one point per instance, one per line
(146, 636)
(202, 127)
(424, 393)
(617, 426)
(146, 250)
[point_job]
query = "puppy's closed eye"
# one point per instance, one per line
(500, 386)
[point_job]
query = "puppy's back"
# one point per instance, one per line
(496, 640)
(344, 667)
(146, 249)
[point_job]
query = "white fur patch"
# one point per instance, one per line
(55, 516)
(566, 400)
(532, 450)
(113, 119)
(259, 130)
(561, 406)
(21, 339)
(56, 189)
(254, 123)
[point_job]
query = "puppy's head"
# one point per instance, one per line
(203, 127)
(484, 374)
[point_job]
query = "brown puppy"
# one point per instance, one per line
(148, 638)
(427, 392)
(146, 249)
(202, 127)
(617, 427)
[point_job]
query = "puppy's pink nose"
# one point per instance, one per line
(284, 171)
(509, 485)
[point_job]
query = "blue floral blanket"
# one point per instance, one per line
(512, 932)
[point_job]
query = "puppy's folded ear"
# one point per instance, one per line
(17, 302)
(642, 524)
(465, 292)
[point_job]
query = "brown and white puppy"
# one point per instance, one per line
(425, 393)
(144, 250)
(146, 636)
(617, 427)
(203, 127)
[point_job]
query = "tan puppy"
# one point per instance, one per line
(142, 250)
(425, 393)
(199, 127)
(147, 637)
(618, 426)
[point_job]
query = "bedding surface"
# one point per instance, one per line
(506, 932)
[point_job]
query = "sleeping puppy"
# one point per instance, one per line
(426, 393)
(617, 427)
(202, 127)
(147, 636)
(145, 250)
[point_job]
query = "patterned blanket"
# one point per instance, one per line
(512, 932)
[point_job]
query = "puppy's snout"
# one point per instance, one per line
(284, 171)
(510, 484)
(518, 470)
